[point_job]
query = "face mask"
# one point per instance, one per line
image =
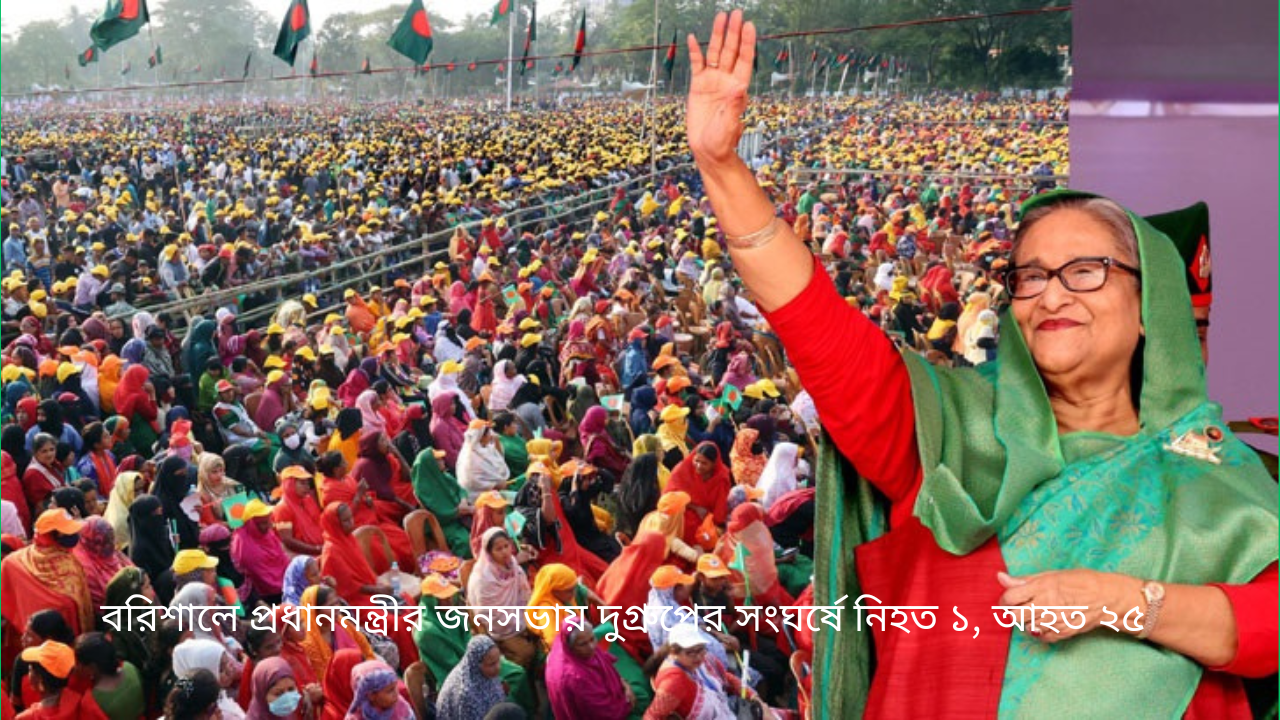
(292, 442)
(284, 705)
(68, 541)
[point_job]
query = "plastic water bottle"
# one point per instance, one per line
(395, 579)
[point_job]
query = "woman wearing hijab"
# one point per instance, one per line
(276, 400)
(441, 494)
(447, 431)
(13, 492)
(276, 695)
(342, 558)
(323, 641)
(626, 583)
(293, 450)
(45, 574)
(198, 345)
(257, 551)
(554, 586)
(581, 488)
(582, 682)
(739, 374)
(380, 470)
(475, 685)
(705, 478)
(481, 464)
(135, 403)
(506, 381)
(211, 655)
(297, 517)
(213, 486)
(43, 475)
(358, 380)
(337, 683)
(376, 693)
(598, 447)
(149, 546)
(746, 463)
(673, 433)
(97, 554)
(131, 642)
(369, 404)
(173, 487)
(303, 572)
(497, 580)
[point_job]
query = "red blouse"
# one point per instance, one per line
(835, 349)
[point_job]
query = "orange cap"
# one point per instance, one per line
(57, 520)
(669, 576)
(712, 566)
(55, 657)
(491, 499)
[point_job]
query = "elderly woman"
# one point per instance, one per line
(1086, 468)
(582, 682)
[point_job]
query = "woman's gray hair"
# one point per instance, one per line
(1103, 210)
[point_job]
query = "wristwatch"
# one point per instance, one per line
(1153, 592)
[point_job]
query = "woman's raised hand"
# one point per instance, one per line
(718, 91)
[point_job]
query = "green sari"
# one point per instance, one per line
(441, 494)
(995, 465)
(515, 454)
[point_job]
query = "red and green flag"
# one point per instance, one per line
(669, 64)
(90, 55)
(780, 61)
(295, 28)
(365, 67)
(412, 37)
(471, 66)
(530, 34)
(315, 65)
(451, 65)
(731, 397)
(580, 42)
(121, 21)
(501, 10)
(156, 58)
(813, 57)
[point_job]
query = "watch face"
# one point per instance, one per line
(1154, 591)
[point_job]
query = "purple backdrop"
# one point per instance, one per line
(1167, 52)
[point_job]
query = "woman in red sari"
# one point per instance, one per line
(343, 560)
(626, 583)
(12, 489)
(706, 479)
(46, 575)
(340, 488)
(297, 518)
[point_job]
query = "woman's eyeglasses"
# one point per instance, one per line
(1082, 275)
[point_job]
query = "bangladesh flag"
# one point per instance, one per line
(731, 397)
(295, 28)
(612, 403)
(813, 57)
(501, 10)
(471, 66)
(780, 61)
(121, 21)
(365, 67)
(670, 62)
(580, 42)
(90, 55)
(156, 58)
(315, 64)
(451, 66)
(412, 37)
(530, 34)
(233, 509)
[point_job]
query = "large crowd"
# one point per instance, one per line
(303, 356)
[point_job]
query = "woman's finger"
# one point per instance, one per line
(746, 54)
(717, 40)
(732, 38)
(696, 61)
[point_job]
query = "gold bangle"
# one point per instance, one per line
(756, 239)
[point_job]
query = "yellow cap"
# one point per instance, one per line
(187, 561)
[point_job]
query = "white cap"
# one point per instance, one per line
(686, 636)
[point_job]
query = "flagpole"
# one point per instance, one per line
(653, 92)
(843, 75)
(511, 45)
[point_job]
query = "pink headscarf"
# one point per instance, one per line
(582, 689)
(261, 556)
(739, 373)
(373, 420)
(446, 429)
